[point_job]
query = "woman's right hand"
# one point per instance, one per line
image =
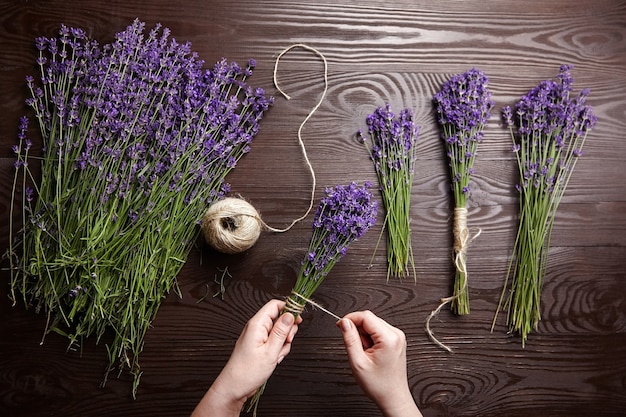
(377, 355)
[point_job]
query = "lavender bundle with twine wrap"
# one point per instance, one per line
(463, 107)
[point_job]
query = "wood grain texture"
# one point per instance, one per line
(398, 52)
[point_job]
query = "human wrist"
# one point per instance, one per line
(401, 405)
(408, 409)
(219, 402)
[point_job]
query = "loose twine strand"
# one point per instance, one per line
(233, 225)
(297, 308)
(306, 119)
(462, 240)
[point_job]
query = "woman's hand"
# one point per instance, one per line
(263, 343)
(377, 355)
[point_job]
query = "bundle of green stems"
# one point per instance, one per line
(548, 127)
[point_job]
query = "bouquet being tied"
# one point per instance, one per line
(463, 107)
(343, 215)
(137, 139)
(392, 149)
(548, 128)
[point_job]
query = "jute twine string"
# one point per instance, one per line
(462, 240)
(296, 308)
(233, 225)
(306, 119)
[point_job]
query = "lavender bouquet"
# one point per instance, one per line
(463, 107)
(392, 150)
(344, 214)
(548, 128)
(137, 139)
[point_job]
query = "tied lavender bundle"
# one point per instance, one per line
(551, 128)
(392, 150)
(463, 108)
(137, 139)
(343, 215)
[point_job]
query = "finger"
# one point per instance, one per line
(351, 339)
(280, 331)
(371, 325)
(284, 351)
(272, 309)
(292, 333)
(265, 316)
(366, 340)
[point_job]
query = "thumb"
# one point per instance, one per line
(280, 331)
(351, 338)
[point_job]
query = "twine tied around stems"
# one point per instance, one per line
(294, 307)
(462, 240)
(233, 225)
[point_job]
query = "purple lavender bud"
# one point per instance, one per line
(41, 43)
(360, 137)
(508, 116)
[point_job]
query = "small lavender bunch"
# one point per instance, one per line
(343, 215)
(137, 140)
(463, 107)
(548, 128)
(392, 150)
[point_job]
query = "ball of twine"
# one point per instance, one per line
(231, 225)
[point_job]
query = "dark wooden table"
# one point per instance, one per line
(398, 52)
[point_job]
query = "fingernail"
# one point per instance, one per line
(344, 324)
(287, 319)
(280, 359)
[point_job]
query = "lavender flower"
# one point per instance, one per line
(344, 214)
(137, 138)
(548, 127)
(392, 150)
(463, 107)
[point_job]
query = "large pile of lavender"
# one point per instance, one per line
(136, 141)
